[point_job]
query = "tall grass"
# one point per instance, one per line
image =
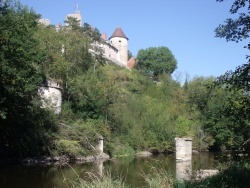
(94, 180)
(236, 175)
(158, 178)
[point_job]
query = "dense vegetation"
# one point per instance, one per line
(130, 109)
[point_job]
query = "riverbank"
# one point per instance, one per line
(54, 160)
(50, 160)
(131, 171)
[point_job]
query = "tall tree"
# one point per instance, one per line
(237, 30)
(156, 60)
(20, 119)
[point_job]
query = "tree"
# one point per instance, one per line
(199, 91)
(22, 121)
(73, 23)
(236, 30)
(19, 57)
(156, 60)
(238, 80)
(91, 32)
(222, 113)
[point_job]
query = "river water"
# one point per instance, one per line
(130, 169)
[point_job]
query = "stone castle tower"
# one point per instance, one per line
(120, 41)
(76, 15)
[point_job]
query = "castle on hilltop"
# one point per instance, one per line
(115, 48)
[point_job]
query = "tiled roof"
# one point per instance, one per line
(118, 33)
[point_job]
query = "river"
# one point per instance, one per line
(130, 169)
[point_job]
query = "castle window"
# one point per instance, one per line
(120, 41)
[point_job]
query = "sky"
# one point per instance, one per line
(186, 27)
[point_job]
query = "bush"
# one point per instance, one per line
(69, 147)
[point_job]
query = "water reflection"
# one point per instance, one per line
(183, 170)
(99, 167)
(130, 169)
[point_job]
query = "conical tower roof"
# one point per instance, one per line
(118, 33)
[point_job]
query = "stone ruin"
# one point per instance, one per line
(51, 96)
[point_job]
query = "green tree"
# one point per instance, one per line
(22, 122)
(156, 60)
(221, 112)
(238, 80)
(73, 23)
(226, 120)
(199, 91)
(91, 32)
(236, 30)
(19, 56)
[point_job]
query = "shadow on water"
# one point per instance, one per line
(130, 169)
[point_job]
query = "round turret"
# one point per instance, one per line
(120, 41)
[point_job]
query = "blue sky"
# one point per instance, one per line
(186, 27)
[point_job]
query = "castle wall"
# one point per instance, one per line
(109, 52)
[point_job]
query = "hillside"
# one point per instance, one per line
(131, 110)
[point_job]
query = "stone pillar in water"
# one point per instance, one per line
(183, 158)
(183, 148)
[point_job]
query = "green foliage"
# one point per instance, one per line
(238, 80)
(122, 150)
(92, 33)
(66, 53)
(183, 126)
(133, 112)
(24, 127)
(222, 113)
(156, 60)
(151, 120)
(73, 23)
(127, 108)
(80, 137)
(237, 29)
(69, 147)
